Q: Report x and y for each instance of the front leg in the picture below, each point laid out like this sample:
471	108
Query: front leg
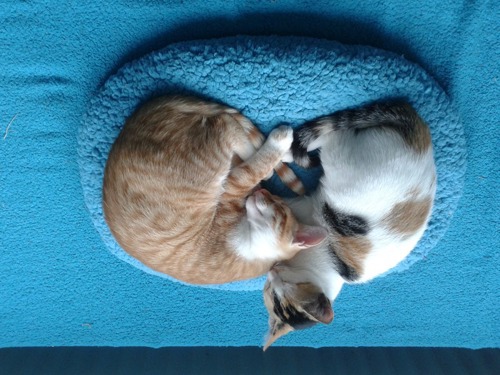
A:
249	174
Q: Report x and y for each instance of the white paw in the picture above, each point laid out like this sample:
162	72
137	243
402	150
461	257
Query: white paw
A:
269	175
287	157
282	138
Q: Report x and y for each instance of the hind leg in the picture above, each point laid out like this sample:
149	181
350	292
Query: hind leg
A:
248	175
246	138
254	140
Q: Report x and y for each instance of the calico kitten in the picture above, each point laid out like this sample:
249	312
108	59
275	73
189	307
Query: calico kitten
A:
180	193
375	198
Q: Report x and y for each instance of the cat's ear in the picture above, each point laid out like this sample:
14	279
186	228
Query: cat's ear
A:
276	330
308	236
321	309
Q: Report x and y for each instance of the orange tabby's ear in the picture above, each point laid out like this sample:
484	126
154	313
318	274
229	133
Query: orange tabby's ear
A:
308	236
276	330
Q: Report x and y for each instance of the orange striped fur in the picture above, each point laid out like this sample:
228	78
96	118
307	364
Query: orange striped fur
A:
179	182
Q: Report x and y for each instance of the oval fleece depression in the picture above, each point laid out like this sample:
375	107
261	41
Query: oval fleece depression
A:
274	80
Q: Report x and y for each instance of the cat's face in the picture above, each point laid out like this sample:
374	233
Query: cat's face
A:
270	215
293	306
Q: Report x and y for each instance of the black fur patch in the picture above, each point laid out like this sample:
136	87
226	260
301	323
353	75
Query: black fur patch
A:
299	152
397	115
343	224
314	160
308	133
344	270
290	316
301	139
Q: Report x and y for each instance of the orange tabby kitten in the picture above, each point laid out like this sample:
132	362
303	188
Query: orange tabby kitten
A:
180	193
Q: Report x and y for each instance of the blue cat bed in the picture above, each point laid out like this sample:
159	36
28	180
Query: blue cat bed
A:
274	80
60	284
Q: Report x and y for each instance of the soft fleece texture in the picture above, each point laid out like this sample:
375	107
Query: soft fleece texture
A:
61	286
274	80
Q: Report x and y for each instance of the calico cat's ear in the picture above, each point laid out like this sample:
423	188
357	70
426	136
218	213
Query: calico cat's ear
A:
308	236
276	330
320	309
318	305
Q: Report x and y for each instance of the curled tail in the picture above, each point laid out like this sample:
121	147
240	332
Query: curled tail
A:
289	178
400	116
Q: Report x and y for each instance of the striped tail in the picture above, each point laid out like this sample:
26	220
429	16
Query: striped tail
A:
399	116
289	178
284	172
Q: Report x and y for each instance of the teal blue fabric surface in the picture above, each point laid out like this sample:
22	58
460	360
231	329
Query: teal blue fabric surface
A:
274	80
61	286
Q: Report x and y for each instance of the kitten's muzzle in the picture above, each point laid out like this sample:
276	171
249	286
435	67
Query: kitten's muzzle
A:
261	199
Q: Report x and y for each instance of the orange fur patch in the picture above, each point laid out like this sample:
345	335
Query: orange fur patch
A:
408	217
172	194
290	179
420	139
353	251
